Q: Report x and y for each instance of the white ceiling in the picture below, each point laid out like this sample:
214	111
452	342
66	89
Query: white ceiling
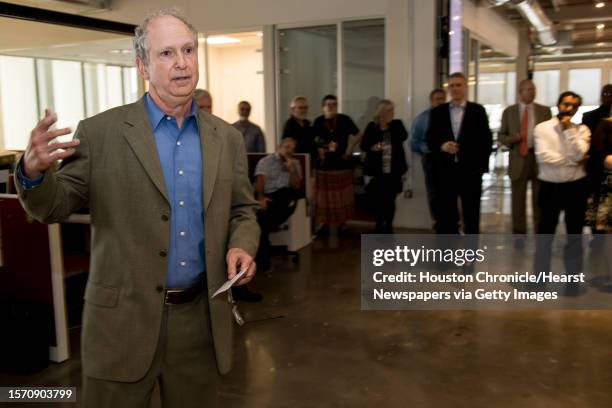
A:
32	39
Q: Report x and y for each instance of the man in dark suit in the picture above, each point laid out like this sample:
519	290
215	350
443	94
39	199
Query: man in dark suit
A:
516	132
460	141
592	118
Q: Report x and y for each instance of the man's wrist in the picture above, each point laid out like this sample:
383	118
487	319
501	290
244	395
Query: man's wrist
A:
28	182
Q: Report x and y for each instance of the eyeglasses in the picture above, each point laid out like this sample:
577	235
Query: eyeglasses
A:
606	94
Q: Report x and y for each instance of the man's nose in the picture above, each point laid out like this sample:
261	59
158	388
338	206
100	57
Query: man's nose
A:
180	60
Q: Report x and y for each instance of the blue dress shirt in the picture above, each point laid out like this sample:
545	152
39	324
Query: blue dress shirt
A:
181	159
418	143
180	155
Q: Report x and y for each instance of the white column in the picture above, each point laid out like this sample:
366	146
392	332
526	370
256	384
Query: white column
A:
410	76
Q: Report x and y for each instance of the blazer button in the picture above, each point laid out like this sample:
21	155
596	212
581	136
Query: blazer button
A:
165	217
163	253
159	288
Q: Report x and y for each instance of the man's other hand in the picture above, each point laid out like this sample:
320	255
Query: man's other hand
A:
238	260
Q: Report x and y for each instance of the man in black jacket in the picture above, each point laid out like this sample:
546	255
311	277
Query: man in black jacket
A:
592	118
460	141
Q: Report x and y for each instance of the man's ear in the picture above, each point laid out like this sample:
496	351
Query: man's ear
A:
143	69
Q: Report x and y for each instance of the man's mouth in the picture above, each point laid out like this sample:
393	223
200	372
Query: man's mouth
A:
181	78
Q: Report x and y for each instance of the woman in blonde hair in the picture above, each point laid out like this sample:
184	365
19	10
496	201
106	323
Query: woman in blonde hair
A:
385	162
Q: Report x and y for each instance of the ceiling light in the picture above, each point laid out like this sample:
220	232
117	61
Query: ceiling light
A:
600	26
451	32
259	34
600	4
456	18
219	40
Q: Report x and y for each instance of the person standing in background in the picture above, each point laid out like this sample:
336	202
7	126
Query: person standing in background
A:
593	119
418	144
600	170
518	122
298	127
335	135
460	142
560	149
253	136
203	99
385	161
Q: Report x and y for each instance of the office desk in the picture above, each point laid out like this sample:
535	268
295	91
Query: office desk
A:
40	277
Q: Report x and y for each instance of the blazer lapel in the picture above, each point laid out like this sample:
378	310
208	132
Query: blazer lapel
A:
139	135
211	150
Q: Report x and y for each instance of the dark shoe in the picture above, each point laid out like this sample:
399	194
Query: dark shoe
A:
242	293
323	231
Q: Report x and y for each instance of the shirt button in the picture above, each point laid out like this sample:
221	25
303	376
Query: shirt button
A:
163	253
181	203
178	143
159	288
165	217
182	233
168	118
183	263
181	172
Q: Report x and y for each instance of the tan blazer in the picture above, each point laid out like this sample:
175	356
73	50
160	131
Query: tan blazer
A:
116	172
510	125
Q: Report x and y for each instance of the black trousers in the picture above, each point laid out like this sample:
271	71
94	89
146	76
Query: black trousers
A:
279	210
571	198
430	184
452	186
383	190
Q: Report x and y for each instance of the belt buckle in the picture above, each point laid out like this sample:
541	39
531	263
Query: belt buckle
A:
168	292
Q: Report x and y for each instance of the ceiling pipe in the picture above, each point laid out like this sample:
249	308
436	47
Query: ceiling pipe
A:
533	13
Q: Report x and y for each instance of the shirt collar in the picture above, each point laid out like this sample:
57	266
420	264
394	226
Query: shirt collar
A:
156	114
453	104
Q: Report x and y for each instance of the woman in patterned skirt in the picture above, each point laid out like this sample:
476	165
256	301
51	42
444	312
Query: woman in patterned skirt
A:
335	135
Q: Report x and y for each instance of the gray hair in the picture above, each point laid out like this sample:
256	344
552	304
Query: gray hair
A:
141	47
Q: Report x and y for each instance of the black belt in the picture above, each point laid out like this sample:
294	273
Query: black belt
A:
185	295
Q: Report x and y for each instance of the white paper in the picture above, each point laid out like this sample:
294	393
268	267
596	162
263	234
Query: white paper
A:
228	284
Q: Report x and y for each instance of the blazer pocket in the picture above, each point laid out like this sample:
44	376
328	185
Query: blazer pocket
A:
101	295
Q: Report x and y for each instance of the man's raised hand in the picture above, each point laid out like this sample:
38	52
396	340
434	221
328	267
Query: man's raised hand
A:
41	152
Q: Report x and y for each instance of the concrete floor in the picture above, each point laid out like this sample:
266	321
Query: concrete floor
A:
308	344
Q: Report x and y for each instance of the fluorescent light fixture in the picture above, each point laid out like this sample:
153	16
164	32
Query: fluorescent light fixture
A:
600	26
259	34
219	40
600	4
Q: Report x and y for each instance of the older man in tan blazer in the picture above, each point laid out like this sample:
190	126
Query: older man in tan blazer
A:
516	132
148	318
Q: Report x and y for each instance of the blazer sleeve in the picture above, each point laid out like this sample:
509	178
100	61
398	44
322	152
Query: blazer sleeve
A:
369	138
62	192
485	130
504	131
400	130
243	228
434	130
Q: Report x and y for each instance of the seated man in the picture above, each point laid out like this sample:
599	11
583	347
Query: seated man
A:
277	185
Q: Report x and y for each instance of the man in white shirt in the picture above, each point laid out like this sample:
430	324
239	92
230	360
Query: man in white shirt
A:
516	132
560	148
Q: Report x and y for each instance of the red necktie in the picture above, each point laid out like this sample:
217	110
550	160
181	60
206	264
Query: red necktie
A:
524	147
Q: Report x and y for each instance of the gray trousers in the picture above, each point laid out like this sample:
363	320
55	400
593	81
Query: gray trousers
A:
184	366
